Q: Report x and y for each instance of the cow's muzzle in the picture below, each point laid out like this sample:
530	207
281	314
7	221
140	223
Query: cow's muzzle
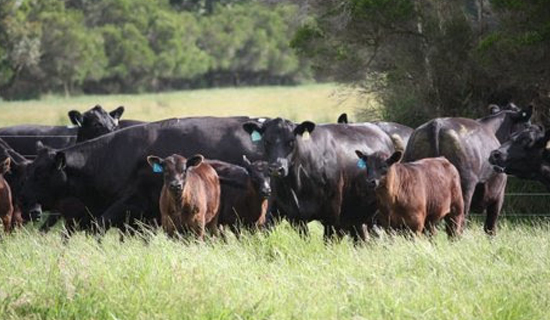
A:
497	160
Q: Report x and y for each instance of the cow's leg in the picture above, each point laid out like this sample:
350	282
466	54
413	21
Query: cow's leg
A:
468	185
454	221
415	223
430	229
497	187
119	213
17	217
51	220
300	226
212	227
6	221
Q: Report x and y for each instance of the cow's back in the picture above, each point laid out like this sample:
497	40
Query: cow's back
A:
23	138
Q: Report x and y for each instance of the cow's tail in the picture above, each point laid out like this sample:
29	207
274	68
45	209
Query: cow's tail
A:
398	143
436	129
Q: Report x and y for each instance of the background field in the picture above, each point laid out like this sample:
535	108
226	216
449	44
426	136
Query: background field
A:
318	102
265	276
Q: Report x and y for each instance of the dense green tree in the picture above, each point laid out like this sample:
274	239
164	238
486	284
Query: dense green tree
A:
430	57
136	45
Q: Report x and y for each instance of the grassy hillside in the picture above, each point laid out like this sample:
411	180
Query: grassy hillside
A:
319	102
277	276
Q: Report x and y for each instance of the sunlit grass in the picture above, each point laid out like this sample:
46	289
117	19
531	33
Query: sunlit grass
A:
318	102
277	276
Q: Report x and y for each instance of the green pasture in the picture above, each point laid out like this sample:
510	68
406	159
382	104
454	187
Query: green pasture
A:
318	102
276	275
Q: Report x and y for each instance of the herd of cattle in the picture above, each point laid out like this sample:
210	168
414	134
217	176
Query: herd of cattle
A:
206	173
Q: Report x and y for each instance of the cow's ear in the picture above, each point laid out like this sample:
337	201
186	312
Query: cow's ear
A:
493	108
395	157
359	154
343	118
246	162
156	163
60	160
306	126
252	126
5	165
76	118
195	160
117	113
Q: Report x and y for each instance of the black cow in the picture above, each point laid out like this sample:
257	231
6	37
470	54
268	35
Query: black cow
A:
526	155
90	124
392	129
110	174
314	171
466	143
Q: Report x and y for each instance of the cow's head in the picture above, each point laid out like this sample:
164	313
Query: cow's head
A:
523	154
95	122
508	120
46	179
376	166
281	138
175	169
259	174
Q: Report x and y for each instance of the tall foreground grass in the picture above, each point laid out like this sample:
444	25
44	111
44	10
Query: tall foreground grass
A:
277	276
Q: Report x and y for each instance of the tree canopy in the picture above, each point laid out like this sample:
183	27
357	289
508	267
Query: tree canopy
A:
111	46
432	57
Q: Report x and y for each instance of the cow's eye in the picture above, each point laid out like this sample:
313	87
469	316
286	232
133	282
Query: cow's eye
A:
290	143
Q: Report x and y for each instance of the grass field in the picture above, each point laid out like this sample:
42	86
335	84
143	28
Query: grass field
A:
318	102
265	276
278	276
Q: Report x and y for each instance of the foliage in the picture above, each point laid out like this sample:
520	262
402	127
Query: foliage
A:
432	58
115	46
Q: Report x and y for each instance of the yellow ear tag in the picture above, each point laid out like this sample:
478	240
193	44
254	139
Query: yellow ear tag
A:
305	136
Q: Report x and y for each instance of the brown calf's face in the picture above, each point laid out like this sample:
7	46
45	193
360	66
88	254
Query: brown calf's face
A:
376	165
174	169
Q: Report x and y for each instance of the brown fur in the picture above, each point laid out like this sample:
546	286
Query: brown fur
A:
198	207
242	207
419	194
10	217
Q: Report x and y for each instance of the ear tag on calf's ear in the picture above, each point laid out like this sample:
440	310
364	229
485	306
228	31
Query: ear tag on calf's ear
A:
157	168
256	136
305	135
361	164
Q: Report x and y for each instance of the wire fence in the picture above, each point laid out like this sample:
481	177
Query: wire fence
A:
516	202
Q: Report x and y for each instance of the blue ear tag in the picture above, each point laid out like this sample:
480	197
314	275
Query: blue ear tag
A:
157	168
361	164
256	136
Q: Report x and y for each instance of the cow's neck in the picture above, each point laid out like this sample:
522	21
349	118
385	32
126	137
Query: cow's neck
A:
500	124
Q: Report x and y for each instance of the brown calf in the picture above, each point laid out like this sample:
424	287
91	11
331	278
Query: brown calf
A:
415	195
10	217
190	197
245	194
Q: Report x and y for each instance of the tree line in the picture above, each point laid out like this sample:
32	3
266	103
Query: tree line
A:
427	58
126	46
